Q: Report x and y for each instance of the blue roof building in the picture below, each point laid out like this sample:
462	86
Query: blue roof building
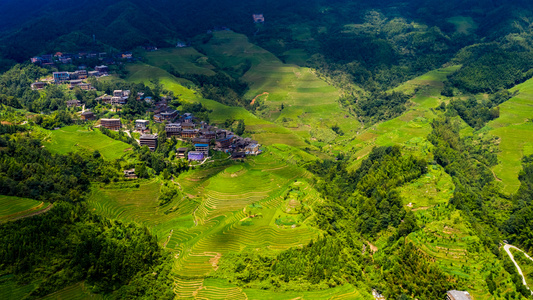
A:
204	148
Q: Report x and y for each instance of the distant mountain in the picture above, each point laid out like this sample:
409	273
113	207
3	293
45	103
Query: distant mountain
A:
30	27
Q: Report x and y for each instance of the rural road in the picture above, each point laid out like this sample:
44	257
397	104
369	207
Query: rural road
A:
129	134
506	247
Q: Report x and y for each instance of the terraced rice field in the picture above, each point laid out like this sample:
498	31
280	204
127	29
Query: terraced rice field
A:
223	225
10	290
339	293
266	132
184	60
435	187
74	292
14	207
142	72
515	128
140	205
210	218
214	289
412	125
76	138
305	97
457	250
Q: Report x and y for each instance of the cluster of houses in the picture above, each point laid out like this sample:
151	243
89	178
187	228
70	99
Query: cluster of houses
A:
69	58
75	79
61	77
203	136
66	58
119	97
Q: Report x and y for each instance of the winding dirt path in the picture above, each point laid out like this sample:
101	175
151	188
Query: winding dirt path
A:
506	247
253	101
495	177
423	208
168	238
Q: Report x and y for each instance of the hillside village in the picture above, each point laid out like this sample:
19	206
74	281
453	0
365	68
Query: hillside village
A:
184	126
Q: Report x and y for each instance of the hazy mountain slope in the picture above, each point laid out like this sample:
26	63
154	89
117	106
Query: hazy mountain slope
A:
28	26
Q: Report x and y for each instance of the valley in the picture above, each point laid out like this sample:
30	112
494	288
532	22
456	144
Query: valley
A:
376	158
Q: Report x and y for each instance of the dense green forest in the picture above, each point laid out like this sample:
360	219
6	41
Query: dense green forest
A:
68	244
28	170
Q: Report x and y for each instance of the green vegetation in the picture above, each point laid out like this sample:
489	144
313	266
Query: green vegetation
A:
396	152
288	95
514	128
477	114
91	253
378	107
48	177
489	68
11	205
15	207
526	265
184	60
81	138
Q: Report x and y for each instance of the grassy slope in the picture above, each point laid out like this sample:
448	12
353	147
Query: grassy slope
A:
183	60
411	128
515	129
73	138
141	72
264	131
309	102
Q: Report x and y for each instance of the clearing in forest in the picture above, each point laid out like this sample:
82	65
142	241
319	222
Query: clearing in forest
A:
75	138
